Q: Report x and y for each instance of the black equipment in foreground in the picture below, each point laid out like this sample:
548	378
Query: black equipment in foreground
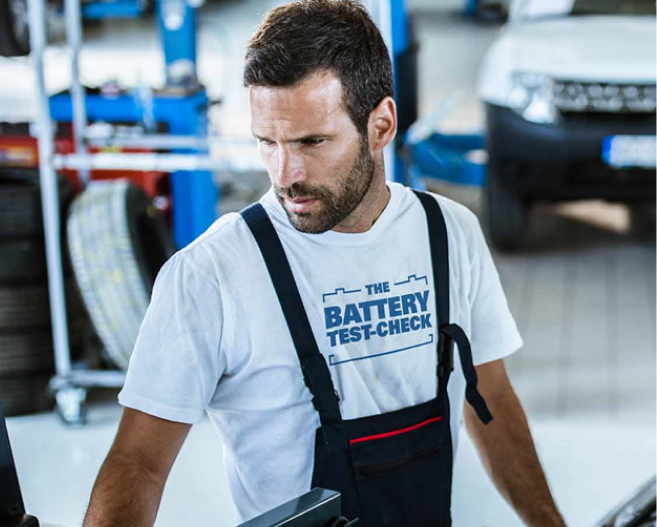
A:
12	509
317	508
636	511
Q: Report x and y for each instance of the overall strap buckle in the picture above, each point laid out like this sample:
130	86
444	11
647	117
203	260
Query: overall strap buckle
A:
472	395
325	400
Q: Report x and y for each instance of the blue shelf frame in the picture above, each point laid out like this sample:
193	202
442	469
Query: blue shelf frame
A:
113	9
194	193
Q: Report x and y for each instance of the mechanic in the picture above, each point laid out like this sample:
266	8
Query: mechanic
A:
317	327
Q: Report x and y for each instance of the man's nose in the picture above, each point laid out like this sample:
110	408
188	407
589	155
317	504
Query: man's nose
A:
290	167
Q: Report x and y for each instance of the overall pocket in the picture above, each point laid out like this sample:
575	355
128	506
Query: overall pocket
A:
404	477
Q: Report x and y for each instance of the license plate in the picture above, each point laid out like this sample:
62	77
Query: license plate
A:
625	151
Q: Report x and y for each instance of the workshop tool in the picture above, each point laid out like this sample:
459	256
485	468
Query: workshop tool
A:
317	508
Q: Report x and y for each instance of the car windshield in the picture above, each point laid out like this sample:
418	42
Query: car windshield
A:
536	9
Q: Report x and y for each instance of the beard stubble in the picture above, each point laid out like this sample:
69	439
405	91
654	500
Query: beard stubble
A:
337	205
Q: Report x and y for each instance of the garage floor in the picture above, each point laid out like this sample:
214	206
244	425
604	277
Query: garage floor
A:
583	295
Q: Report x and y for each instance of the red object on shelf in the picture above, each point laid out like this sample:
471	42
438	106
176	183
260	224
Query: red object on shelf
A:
21	151
18	151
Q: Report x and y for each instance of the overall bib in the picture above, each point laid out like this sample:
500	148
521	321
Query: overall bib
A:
392	469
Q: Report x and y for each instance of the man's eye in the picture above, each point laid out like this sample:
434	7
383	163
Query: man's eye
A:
313	142
265	142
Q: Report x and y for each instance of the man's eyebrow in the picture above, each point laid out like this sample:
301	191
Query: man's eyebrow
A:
259	138
309	137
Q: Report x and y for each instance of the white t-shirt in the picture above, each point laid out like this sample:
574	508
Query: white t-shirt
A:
215	340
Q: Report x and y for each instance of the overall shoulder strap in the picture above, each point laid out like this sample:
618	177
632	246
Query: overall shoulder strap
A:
439	254
449	333
313	365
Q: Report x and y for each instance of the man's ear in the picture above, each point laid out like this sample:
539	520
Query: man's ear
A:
382	125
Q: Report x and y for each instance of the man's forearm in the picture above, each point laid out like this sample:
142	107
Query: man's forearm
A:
125	494
507	451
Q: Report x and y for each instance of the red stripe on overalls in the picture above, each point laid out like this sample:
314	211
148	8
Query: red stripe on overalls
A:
395	432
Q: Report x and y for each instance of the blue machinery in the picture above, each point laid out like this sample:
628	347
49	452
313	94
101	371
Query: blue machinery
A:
449	158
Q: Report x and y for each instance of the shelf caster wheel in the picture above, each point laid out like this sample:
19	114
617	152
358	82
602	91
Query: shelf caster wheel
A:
70	406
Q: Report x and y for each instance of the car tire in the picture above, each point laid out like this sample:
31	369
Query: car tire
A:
642	219
24	259
150	235
506	213
27	307
25	395
20	202
26	352
117	241
14	35
32	351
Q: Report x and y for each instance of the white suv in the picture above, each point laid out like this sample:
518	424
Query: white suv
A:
569	90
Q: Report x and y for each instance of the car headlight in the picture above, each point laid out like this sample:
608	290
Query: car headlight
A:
531	96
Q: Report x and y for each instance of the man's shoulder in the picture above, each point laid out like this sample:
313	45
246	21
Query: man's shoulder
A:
218	246
227	227
464	232
459	219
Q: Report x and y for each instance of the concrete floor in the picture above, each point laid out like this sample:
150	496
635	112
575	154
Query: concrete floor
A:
583	295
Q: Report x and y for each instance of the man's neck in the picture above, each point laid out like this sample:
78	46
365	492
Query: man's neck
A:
369	209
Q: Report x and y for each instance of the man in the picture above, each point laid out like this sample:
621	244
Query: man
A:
306	327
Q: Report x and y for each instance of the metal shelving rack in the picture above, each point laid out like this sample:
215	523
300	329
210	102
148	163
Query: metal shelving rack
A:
71	382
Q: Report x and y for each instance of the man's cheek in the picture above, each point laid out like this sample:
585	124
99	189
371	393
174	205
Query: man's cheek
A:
268	161
322	170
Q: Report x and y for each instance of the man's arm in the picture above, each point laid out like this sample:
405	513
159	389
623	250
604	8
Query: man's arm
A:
507	450
130	483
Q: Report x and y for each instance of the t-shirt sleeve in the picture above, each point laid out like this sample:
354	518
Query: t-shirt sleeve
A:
494	334
175	365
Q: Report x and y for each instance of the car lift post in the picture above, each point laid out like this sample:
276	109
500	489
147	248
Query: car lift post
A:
399	47
194	193
392	18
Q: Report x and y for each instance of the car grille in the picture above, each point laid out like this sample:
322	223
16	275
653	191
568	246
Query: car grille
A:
604	97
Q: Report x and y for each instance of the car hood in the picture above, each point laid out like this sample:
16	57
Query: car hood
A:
592	48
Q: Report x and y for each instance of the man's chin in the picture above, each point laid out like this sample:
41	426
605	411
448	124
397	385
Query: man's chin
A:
309	223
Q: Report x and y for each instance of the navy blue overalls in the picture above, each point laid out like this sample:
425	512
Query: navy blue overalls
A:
393	469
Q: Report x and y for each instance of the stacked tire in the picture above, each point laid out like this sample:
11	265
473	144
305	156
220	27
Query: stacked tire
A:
26	346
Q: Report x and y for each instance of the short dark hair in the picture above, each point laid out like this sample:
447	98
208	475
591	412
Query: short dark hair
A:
303	37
